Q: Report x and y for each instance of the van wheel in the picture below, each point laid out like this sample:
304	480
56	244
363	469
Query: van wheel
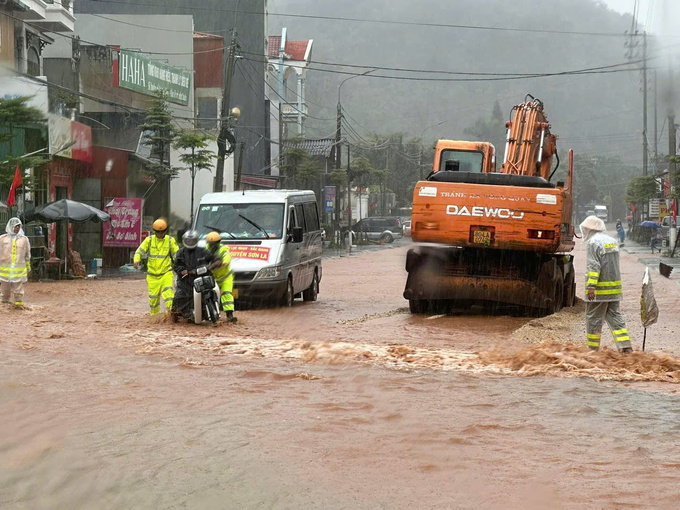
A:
313	291
387	238
289	295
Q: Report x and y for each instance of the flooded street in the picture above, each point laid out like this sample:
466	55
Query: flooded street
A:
349	402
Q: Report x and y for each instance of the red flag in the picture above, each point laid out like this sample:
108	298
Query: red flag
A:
16	182
674	209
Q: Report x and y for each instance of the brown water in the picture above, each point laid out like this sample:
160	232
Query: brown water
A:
346	403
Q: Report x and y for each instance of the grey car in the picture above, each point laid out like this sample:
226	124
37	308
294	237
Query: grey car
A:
385	229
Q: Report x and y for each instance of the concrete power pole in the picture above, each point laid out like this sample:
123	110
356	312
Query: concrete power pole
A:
337	137
224	135
349	200
645	147
656	121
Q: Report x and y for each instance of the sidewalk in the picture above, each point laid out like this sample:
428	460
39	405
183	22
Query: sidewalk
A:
645	256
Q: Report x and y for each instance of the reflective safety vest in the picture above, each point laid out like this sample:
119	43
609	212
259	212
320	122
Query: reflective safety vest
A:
160	254
15	258
603	273
223	271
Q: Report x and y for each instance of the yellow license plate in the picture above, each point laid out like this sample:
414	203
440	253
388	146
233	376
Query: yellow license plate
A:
481	237
234	293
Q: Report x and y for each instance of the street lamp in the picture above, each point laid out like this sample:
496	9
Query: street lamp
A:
338	156
339	116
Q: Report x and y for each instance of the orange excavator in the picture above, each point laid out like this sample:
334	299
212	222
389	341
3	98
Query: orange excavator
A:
488	237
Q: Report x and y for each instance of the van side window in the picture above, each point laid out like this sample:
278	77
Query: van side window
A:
300	215
311	216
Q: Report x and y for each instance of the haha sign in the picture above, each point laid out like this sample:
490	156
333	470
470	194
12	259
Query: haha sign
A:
138	72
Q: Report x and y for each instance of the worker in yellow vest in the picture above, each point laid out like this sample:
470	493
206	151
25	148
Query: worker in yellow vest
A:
159	252
15	262
223	274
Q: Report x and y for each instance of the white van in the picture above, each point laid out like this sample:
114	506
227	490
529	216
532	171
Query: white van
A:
274	237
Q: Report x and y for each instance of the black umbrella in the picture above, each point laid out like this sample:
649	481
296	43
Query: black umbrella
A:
65	209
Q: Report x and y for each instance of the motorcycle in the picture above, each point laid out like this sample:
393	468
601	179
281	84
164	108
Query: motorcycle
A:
206	303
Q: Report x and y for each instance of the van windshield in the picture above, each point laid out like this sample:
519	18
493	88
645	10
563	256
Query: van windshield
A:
241	221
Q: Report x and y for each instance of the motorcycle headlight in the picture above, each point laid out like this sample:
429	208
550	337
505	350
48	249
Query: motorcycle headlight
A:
269	272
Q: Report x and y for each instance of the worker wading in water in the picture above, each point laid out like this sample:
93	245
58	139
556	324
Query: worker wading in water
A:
15	262
159	250
223	274
603	286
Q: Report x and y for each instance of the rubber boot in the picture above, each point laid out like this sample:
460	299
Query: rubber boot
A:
626	350
230	317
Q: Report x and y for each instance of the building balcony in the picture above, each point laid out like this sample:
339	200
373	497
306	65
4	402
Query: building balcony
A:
291	110
58	16
29	10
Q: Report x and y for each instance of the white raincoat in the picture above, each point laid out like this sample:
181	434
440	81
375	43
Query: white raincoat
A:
15	254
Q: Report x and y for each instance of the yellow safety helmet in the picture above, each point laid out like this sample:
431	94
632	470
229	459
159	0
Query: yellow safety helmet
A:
160	225
213	237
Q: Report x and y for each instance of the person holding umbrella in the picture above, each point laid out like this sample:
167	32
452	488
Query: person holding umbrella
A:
603	286
15	262
656	235
159	250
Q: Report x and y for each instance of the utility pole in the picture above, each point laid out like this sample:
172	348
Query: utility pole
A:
672	142
644	105
224	134
349	200
656	122
337	135
241	147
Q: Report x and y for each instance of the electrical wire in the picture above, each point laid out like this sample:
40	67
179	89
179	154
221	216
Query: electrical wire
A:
284	99
376	21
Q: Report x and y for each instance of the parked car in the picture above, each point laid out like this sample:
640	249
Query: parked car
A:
407	228
378	229
666	229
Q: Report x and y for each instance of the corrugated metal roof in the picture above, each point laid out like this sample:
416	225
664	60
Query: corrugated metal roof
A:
315	147
203	35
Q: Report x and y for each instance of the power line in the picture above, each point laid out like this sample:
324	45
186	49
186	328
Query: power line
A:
283	99
379	21
437	71
612	68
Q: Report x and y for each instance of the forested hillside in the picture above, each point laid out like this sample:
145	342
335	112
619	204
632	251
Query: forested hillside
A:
595	113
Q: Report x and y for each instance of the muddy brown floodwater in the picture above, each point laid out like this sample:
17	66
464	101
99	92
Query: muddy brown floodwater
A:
347	403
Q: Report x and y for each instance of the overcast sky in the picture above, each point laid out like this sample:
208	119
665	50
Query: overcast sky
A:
662	16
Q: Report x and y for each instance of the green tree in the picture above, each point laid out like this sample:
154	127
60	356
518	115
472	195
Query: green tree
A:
14	113
380	174
641	189
195	155
159	135
299	168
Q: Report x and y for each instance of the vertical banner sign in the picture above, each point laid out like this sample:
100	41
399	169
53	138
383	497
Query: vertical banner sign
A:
138	72
125	228
329	199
